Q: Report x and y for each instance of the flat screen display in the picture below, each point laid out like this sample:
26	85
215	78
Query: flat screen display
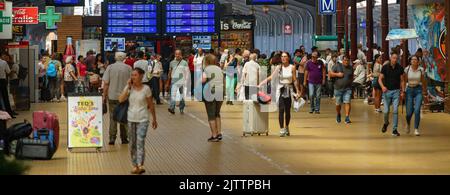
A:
203	42
62	3
265	2
190	17
112	43
132	17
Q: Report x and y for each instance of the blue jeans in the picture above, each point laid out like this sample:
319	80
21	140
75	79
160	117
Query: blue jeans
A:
391	97
230	80
343	96
138	132
413	104
173	96
315	92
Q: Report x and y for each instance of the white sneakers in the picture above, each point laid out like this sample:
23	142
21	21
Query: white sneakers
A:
416	131
63	99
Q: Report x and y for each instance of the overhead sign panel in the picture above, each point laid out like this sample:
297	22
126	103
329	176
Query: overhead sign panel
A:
265	2
132	17
190	17
64	3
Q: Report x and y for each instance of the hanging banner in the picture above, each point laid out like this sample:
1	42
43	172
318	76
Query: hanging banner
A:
85	122
6	21
26	15
401	34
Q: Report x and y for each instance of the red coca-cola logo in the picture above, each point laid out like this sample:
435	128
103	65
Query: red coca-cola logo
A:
20	12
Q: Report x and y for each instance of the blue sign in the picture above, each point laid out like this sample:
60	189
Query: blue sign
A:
190	17
327	7
132	17
63	3
265	2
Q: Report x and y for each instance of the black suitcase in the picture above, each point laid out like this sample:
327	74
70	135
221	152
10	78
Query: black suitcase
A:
23	99
34	149
19	130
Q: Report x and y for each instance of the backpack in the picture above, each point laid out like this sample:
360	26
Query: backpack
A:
51	69
23	72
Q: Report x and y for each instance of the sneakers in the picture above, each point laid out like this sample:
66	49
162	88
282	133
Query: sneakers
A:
171	111
395	133
63	99
338	118
347	120
310	112
378	110
317	112
219	136
213	139
54	99
408	129
284	132
417	132
384	129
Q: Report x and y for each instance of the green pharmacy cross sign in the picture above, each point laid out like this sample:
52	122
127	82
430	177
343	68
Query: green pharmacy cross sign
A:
4	21
50	17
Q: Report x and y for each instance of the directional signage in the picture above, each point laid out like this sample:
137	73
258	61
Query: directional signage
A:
6	21
50	17
327	7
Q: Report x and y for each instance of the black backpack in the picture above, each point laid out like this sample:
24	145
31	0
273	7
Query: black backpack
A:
23	72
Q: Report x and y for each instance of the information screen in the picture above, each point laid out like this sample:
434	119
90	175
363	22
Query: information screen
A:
190	17
203	42
265	2
65	2
112	43
132	17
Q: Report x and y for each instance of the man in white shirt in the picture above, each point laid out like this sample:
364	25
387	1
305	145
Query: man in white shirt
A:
155	69
250	77
4	72
196	75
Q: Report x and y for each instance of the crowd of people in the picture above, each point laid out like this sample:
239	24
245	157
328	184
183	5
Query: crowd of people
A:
144	79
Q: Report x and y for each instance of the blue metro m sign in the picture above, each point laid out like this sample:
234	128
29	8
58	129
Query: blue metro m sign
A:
327	7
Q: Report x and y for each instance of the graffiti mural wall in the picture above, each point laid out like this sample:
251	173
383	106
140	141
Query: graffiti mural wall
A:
429	22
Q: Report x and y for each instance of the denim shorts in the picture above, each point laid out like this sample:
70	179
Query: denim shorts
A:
343	96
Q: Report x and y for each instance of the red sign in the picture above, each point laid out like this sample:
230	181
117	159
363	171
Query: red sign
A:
288	29
21	44
25	15
2	6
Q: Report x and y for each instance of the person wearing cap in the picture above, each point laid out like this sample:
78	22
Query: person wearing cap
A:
392	84
115	79
359	75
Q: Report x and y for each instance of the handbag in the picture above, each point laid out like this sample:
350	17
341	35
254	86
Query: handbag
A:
120	112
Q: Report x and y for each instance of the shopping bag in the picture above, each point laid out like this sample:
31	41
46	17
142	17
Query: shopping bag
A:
298	104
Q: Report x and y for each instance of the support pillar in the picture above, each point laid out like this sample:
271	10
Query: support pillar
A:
354	30
340	24
384	29
369	29
404	25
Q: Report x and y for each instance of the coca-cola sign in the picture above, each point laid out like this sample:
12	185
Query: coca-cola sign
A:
25	15
236	24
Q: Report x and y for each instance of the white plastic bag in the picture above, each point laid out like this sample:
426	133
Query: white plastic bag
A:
299	103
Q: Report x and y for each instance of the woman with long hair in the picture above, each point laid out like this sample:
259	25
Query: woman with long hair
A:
415	89
287	80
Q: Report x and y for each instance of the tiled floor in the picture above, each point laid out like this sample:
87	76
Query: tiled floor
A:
317	146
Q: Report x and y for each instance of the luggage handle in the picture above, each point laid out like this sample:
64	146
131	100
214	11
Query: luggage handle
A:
42	132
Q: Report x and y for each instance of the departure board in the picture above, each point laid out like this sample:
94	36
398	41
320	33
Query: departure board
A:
265	2
65	3
132	17
190	17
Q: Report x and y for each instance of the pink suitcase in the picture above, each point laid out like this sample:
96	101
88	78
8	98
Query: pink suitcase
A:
47	120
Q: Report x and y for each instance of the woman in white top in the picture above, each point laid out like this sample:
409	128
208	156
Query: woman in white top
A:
415	86
286	81
376	71
140	105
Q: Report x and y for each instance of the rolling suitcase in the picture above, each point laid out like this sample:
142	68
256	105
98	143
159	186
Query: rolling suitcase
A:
47	120
255	121
34	149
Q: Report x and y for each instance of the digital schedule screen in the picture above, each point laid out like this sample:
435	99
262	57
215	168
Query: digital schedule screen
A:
132	17
65	2
114	43
190	17
265	2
